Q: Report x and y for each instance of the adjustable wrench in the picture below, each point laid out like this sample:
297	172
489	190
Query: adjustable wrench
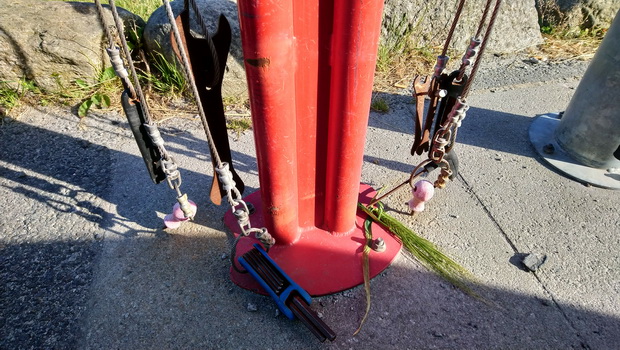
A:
421	85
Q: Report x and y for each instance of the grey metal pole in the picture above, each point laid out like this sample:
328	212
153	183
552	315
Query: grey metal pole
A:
590	127
584	143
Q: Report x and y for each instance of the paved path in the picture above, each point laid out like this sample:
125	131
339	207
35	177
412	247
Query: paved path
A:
85	264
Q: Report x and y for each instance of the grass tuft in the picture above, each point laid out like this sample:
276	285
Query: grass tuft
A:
167	79
379	105
424	251
239	125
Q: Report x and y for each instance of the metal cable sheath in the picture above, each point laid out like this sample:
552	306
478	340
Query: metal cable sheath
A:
132	68
483	46
457	15
190	79
106	29
205	32
483	20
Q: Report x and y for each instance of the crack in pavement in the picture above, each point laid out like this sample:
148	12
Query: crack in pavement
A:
470	189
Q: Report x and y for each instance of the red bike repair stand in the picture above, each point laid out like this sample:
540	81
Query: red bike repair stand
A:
310	68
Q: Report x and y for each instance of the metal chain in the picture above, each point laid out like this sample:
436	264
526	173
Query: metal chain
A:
443	140
240	208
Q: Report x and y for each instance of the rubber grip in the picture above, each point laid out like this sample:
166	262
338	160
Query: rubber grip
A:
150	154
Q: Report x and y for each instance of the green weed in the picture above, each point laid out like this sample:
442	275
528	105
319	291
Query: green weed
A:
12	93
239	125
142	8
9	96
97	93
167	77
379	105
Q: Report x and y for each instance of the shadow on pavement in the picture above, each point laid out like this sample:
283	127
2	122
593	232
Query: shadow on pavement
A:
487	129
173	291
77	168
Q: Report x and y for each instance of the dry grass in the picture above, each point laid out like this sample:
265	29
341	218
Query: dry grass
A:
398	71
561	49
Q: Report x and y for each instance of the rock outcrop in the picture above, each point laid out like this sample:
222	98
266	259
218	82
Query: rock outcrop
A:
426	23
157	38
53	43
578	14
418	21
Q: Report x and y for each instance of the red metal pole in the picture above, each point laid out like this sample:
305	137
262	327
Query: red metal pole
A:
310	67
313	33
269	55
357	25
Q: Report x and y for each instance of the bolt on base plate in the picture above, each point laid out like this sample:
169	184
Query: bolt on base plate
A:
542	136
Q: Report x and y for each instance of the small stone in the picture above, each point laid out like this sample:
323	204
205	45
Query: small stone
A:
277	313
438	334
534	60
252	307
224	256
534	261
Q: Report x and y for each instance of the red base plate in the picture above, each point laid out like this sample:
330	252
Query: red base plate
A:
319	262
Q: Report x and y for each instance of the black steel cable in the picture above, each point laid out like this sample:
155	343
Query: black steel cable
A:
483	46
483	19
457	15
205	32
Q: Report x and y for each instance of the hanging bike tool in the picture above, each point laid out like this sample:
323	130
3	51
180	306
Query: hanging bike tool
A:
239	208
448	105
435	94
207	57
159	163
454	84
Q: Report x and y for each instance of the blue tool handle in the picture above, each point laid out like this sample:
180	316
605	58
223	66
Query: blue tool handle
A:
281	299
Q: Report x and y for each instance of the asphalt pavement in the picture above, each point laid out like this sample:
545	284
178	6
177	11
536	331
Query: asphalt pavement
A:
85	263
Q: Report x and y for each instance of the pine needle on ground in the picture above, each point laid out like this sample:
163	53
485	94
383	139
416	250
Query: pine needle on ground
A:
425	251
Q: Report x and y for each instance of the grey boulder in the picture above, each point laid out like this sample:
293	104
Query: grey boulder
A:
53	43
